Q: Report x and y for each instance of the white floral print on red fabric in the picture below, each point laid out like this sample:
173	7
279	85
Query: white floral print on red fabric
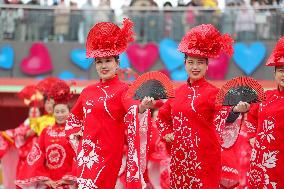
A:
184	156
55	156
34	154
263	159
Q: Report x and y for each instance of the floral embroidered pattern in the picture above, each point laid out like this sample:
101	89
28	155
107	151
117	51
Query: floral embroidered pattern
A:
34	154
263	159
73	122
88	155
88	107
56	133
55	156
104	99
184	157
133	162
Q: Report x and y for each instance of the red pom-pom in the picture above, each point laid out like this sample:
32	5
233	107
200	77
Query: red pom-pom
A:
106	39
46	84
60	92
205	41
27	92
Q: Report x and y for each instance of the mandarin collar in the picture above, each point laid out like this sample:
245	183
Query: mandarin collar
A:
111	81
196	83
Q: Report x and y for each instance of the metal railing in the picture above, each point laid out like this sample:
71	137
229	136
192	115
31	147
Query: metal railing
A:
33	23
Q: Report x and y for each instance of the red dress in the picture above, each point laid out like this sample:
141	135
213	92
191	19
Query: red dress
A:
196	151
267	158
49	159
98	116
17	139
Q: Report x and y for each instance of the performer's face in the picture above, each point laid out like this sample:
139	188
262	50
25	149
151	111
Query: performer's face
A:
279	76
48	105
106	67
61	112
196	67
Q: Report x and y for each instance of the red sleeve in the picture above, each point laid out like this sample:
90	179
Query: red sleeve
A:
74	126
252	120
74	123
164	119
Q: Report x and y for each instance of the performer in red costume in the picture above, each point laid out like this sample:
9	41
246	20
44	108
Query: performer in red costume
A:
50	161
188	119
96	126
267	158
16	143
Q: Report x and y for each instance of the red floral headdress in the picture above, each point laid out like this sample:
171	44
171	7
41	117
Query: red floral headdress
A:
46	84
60	92
205	41
106	39
30	95
277	56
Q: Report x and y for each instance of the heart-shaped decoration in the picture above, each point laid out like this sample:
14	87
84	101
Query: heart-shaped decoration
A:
143	58
248	58
218	67
179	74
124	62
38	62
78	57
66	75
170	55
6	57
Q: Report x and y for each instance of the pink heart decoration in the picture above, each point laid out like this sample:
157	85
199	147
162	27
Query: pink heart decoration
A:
38	62
143	58
218	67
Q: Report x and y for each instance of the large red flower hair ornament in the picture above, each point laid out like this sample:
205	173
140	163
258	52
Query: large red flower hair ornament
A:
205	41
106	39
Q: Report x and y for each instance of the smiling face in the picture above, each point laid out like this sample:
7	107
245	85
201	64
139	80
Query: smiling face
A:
196	67
279	76
107	67
60	113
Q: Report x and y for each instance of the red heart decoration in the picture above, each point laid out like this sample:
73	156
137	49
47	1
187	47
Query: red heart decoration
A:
218	67
38	62
143	58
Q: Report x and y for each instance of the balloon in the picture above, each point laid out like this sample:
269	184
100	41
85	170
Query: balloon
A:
143	58
248	58
6	57
170	55
38	61
67	75
124	62
179	75
78	57
218	67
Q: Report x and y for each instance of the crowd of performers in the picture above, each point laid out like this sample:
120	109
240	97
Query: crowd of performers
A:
107	140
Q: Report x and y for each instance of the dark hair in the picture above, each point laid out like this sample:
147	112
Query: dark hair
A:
68	106
185	57
116	58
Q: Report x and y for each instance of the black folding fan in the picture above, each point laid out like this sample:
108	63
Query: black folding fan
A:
242	88
153	84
